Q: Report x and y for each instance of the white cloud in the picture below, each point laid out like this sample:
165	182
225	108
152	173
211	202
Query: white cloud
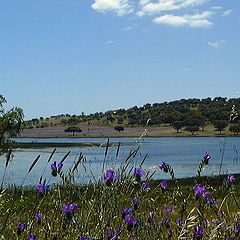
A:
216	7
218	44
199	20
148	7
127	29
119	7
227	13
109	42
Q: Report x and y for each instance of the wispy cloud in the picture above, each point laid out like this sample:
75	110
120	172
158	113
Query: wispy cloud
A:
118	7
199	20
216	7
185	69
127	29
149	7
109	42
218	44
227	13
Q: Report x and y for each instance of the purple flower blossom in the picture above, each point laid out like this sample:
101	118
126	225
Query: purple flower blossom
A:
166	222
168	210
38	217
42	188
163	166
20	228
206	158
207	196
164	185
198	232
231	179
126	211
109	176
31	237
130	221
135	201
170	232
199	190
69	209
179	222
56	168
138	173
218	222
237	229
84	238
145	186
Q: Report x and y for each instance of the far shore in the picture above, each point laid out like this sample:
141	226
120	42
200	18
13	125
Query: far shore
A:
109	132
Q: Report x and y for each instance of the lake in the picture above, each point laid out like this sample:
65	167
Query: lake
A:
182	153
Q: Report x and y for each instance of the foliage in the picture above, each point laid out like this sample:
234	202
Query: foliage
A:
235	129
220	125
119	128
73	130
177	125
124	204
193	112
192	129
11	123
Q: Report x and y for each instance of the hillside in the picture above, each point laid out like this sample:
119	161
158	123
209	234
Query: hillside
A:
185	115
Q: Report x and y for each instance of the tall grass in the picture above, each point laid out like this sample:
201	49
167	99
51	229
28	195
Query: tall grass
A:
125	203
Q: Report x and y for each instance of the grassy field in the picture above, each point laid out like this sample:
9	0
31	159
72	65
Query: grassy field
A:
101	131
123	204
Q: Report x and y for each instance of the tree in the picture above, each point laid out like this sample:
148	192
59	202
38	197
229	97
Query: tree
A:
220	125
192	129
119	128
73	129
235	129
177	125
73	121
11	123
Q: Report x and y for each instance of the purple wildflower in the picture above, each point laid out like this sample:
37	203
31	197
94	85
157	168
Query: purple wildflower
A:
138	173
206	158
218	222
126	211
198	232
38	217
179	222
31	237
20	228
199	190
135	203
84	238
231	179
130	221
145	186
56	168
237	229
208	198
168	210
69	209
166	222
163	166
164	185
109	176
170	232
42	188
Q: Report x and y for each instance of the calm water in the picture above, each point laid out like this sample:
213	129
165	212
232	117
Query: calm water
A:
183	154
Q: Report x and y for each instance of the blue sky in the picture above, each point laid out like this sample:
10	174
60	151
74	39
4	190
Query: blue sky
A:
78	56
